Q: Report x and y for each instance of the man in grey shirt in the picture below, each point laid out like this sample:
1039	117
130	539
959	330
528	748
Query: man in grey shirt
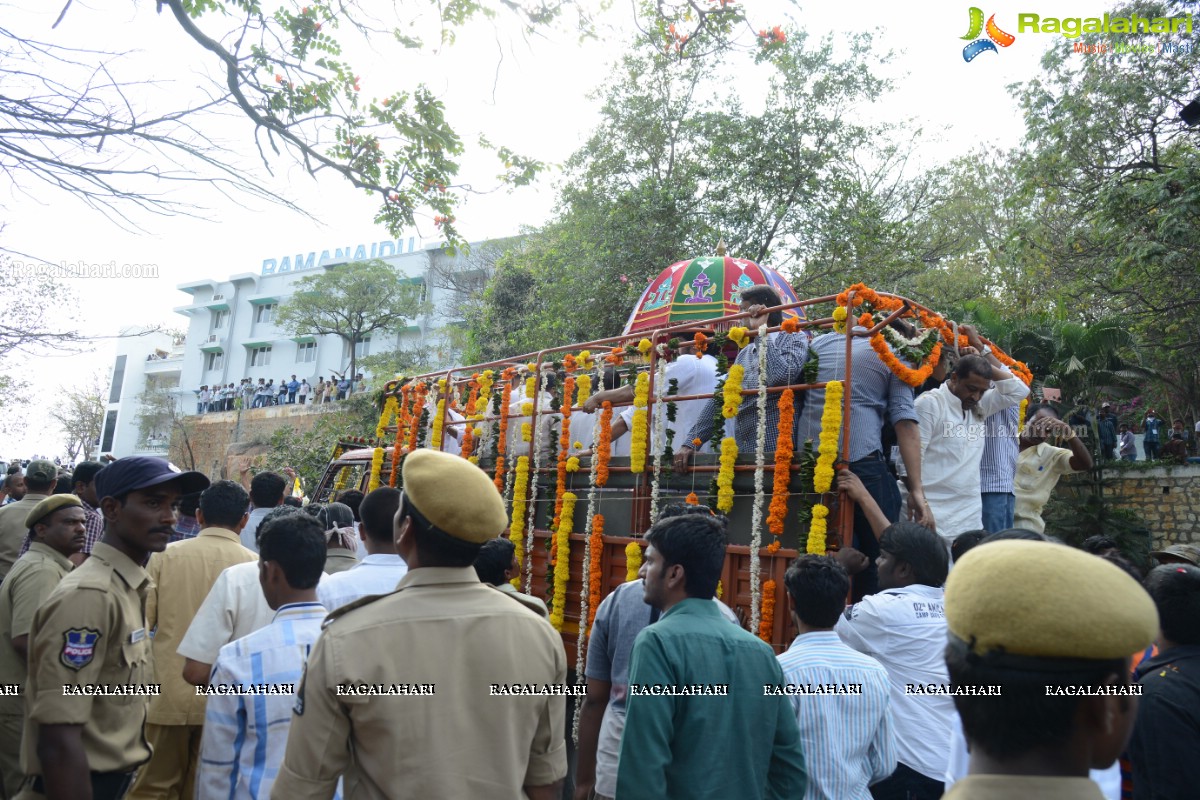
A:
267	490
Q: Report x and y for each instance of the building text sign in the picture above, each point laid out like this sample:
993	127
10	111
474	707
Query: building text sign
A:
361	252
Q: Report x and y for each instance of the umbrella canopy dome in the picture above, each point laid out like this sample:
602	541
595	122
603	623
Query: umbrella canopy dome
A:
704	288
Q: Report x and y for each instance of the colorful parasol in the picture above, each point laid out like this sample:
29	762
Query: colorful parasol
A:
703	288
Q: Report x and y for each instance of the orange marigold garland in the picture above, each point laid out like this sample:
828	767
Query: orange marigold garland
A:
596	550
692	499
403	421
767	620
604	444
701	344
783	472
502	429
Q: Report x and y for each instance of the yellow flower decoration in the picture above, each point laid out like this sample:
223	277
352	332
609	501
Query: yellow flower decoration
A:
438	418
732	391
530	387
641	419
526	409
573	464
827	449
644	347
739	336
583	388
516	529
633	561
526	431
839	319
391	409
817	530
376	469
562	561
1021	414
729	452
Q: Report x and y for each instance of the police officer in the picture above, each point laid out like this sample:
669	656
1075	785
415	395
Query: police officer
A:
56	528
1040	639
397	694
90	666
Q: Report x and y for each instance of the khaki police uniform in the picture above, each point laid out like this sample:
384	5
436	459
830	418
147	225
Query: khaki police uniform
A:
1006	787
397	693
13	529
27	586
181	577
91	633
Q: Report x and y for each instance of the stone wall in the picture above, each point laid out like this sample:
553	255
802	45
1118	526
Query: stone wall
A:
1167	498
224	443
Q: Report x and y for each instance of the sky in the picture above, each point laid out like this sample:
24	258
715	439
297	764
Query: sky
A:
535	95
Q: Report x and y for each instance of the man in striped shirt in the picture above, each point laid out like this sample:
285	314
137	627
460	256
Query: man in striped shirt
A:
840	696
997	469
254	680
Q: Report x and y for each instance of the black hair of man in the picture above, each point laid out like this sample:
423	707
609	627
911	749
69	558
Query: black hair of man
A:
612	379
975	365
920	548
435	547
1120	561
818	587
86	472
189	503
353	499
297	544
266	489
12	479
679	509
65	485
1098	544
224	504
378	512
965	542
313	509
34	486
294	502
1036	407
765	296
335	515
1024	718
1175	589
13	468
695	542
273	514
494	558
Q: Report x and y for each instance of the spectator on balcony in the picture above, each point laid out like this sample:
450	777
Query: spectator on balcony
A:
205	397
281	392
1152	432
293	386
302	394
1128	445
343	387
247	393
260	393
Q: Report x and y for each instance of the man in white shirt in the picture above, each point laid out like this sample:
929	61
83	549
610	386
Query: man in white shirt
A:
245	735
903	627
546	417
953	425
235	607
267	490
382	568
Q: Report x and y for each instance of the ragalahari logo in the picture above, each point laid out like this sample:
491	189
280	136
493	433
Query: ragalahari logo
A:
994	34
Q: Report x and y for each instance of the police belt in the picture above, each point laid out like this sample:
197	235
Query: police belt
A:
105	785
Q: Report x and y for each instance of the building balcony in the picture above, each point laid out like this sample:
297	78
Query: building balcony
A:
157	364
214	342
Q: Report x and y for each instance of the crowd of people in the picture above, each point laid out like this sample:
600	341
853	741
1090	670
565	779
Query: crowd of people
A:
289	391
170	635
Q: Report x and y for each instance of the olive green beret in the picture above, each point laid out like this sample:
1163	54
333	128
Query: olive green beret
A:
48	506
454	494
1046	600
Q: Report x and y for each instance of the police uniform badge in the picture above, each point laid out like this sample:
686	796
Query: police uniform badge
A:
79	647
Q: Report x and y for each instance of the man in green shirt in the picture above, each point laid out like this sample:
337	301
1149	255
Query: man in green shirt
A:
700	722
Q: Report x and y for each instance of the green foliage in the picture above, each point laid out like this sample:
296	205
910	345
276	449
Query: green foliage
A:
1089	508
307	452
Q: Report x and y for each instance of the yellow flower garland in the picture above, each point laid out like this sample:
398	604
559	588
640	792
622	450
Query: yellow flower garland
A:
573	464
516	528
343	479
562	561
729	452
644	347
732	391
376	469
839	319
526	431
633	561
435	440
530	386
739	336
1021	414
390	409
583	389
817	530
638	432
831	425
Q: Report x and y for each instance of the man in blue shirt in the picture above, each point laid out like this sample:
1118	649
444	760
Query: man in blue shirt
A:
293	386
700	723
1152	429
252	689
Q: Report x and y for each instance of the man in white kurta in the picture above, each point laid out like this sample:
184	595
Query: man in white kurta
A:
953	426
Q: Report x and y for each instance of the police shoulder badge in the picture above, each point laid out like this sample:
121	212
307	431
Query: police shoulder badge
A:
79	647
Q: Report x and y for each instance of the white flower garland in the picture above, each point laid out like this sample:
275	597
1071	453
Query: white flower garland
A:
537	471
585	592
756	517
909	348
658	439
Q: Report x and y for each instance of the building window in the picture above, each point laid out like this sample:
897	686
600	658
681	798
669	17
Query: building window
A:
219	319
265	313
306	352
118	378
214	361
260	356
362	346
110	430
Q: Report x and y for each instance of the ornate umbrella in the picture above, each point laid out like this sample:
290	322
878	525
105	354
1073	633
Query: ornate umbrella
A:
703	288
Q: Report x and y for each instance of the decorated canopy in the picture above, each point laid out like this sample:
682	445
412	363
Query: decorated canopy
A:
703	288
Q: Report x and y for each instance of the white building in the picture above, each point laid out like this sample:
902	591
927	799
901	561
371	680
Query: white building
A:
231	334
145	361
